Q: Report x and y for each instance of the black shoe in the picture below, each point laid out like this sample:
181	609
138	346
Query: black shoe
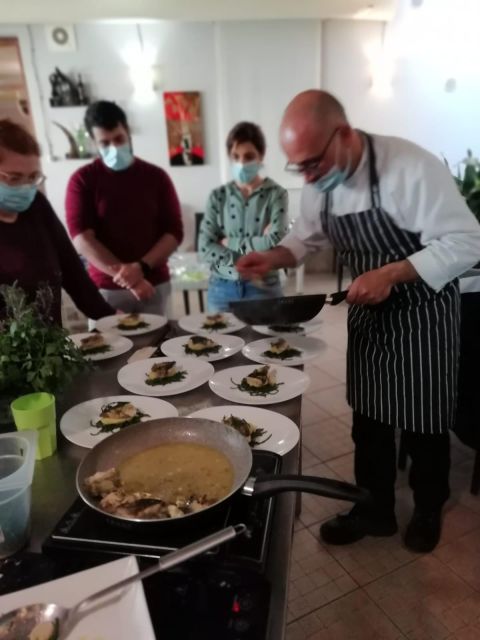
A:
423	531
355	525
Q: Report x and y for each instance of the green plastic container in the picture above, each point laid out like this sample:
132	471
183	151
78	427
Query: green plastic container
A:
36	411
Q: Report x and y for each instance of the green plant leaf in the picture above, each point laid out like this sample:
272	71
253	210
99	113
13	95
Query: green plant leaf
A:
36	354
469	179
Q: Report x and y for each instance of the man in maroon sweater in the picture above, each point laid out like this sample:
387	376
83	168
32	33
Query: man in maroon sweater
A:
124	217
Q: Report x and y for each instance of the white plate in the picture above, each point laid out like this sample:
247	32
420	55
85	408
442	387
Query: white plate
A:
118	345
194	323
132	376
293	383
110	323
307	327
76	422
284	432
175	348
310	348
124	615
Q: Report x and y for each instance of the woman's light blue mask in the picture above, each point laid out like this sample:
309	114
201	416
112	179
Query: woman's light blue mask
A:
245	173
16	199
117	158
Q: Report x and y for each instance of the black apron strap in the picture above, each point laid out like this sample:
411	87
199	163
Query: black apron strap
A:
372	168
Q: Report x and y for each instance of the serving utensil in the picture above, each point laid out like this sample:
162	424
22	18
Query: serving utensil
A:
53	621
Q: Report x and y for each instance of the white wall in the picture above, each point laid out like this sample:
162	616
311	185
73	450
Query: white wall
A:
261	66
67	11
251	70
418	52
243	70
185	55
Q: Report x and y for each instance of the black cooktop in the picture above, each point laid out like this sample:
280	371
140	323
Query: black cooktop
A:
224	595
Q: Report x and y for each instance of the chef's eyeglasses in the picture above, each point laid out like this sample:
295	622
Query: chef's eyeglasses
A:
17	180
311	164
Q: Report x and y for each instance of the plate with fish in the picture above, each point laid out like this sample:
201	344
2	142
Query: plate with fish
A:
289	351
101	346
261	385
87	423
207	323
212	347
289	330
131	324
164	376
263	429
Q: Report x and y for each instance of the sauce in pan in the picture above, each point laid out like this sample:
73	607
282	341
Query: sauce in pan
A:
178	470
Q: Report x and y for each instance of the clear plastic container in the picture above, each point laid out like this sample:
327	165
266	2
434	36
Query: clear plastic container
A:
17	462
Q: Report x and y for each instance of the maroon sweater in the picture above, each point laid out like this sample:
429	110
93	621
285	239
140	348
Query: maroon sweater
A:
36	250
128	211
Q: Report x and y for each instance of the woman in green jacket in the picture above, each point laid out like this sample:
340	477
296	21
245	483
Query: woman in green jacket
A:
250	213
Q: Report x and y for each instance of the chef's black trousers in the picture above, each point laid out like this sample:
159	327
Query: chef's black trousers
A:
376	465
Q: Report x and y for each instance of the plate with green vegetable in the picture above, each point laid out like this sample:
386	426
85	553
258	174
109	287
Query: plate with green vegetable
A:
259	385
87	423
291	351
164	376
101	346
288	330
262	428
215	346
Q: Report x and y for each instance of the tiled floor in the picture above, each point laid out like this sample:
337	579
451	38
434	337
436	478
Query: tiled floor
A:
375	589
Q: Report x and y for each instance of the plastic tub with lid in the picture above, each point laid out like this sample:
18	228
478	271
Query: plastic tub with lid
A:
17	462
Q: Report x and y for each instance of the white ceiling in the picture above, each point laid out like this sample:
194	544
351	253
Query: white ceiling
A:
67	11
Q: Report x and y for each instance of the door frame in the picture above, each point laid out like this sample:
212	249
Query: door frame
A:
26	47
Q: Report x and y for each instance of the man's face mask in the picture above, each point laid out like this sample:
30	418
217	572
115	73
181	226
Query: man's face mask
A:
117	158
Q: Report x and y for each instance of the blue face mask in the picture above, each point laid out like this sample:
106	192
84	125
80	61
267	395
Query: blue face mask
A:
117	158
16	199
332	179
245	173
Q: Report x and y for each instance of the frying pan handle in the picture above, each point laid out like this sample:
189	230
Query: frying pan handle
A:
336	298
269	485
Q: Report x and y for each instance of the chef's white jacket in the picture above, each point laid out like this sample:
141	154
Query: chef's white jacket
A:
418	192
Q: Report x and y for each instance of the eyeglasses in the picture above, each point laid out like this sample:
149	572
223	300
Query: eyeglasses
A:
17	180
311	164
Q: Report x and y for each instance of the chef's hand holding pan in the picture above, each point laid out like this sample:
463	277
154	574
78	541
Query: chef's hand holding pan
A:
374	287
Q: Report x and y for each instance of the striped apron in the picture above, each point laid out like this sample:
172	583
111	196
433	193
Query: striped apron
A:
402	354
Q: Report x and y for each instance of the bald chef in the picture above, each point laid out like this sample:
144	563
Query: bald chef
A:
394	215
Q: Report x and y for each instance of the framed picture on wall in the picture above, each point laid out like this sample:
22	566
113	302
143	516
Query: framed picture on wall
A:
184	128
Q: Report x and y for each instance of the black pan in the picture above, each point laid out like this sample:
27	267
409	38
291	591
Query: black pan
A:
131	440
285	310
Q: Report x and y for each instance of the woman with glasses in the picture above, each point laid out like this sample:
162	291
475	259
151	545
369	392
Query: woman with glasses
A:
34	247
249	213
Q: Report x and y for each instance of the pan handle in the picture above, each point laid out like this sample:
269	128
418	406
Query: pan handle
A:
336	298
269	485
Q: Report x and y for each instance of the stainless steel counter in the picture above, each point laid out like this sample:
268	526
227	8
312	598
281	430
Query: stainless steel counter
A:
54	481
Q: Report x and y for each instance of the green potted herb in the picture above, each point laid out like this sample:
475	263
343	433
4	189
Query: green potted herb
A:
35	354
468	183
